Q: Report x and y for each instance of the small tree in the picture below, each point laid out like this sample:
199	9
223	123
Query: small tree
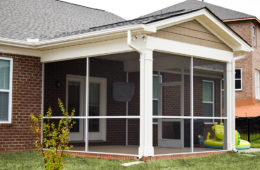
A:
55	137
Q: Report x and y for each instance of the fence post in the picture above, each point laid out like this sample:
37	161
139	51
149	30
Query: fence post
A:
248	129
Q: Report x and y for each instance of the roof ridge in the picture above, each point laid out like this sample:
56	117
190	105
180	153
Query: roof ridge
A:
141	18
224	8
81	5
197	3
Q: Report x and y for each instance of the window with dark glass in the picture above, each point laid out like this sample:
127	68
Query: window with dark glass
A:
238	79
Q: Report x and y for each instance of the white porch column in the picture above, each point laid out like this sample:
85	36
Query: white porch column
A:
146	103
229	107
87	104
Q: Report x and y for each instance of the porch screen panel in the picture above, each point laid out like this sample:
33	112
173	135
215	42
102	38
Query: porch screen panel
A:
94	106
74	102
209	136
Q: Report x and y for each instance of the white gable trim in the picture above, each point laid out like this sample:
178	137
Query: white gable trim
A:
210	22
186	49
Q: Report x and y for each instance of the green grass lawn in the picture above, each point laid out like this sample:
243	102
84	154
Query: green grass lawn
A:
32	161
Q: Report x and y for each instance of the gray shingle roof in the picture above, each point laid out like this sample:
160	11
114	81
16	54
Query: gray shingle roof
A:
221	12
48	19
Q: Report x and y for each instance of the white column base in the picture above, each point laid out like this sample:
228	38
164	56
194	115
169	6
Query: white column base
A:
146	151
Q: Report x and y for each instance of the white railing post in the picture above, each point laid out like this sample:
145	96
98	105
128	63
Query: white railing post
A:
146	103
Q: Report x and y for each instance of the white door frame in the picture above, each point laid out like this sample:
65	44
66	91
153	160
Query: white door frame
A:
96	136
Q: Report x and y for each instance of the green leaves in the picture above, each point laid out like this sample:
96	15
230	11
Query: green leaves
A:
55	136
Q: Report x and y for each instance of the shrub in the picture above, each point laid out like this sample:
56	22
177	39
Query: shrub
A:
55	137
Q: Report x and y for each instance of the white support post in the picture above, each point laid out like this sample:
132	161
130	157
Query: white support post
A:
229	125
191	106
87	104
146	100
126	123
42	105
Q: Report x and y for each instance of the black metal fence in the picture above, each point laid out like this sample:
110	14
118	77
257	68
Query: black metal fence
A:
249	128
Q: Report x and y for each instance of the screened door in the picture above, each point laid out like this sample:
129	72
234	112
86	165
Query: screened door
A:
171	131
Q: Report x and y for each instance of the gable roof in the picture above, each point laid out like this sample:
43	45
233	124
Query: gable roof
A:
67	26
220	12
48	19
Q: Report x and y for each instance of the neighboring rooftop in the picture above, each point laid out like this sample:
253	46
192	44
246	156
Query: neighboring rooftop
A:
48	19
221	12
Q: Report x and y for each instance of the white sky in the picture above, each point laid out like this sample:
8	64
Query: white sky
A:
130	9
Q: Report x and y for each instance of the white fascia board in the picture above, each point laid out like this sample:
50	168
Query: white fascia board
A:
20	51
186	49
15	43
237	43
86	50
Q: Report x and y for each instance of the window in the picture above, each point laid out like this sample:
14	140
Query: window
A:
254	36
208	98
257	84
5	89
238	79
157	79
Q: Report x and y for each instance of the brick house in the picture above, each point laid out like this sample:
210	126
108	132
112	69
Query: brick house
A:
148	87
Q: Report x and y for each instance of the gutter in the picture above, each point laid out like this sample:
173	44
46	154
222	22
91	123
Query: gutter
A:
242	19
239	57
73	38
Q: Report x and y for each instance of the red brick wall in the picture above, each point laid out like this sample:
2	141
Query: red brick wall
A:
27	76
249	64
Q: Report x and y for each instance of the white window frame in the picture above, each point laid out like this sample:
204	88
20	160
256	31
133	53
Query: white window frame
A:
157	99
257	84
254	36
241	71
10	90
210	102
